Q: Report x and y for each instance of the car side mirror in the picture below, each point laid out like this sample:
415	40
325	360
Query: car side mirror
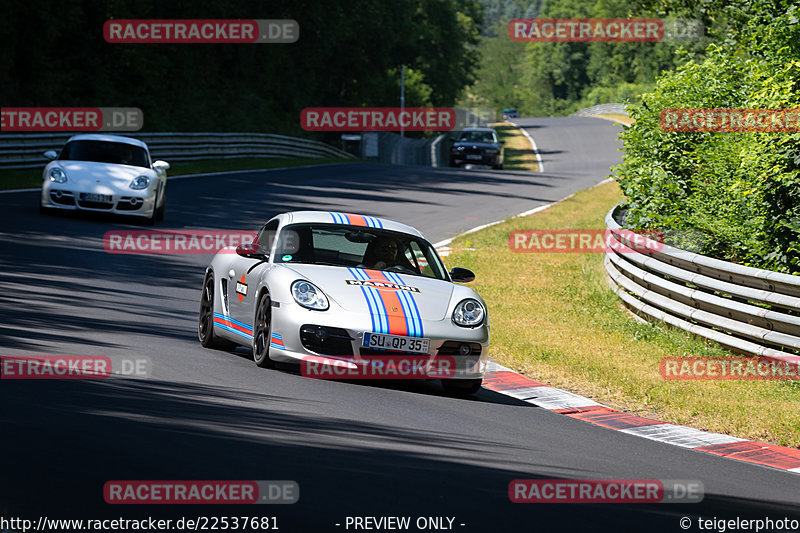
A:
50	154
251	250
501	142
461	275
161	165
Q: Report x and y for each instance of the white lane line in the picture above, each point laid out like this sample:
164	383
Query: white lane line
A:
473	230
680	435
445	242
551	398
491	366
539	164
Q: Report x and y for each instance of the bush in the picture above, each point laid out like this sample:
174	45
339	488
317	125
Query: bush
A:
741	191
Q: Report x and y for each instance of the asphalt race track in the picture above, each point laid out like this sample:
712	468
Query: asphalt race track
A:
356	449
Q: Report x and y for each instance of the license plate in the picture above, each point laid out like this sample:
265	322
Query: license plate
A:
395	342
470	156
91	197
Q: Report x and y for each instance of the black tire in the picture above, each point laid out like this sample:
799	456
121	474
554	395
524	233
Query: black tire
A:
45	210
205	321
261	332
461	387
151	220
498	167
163	207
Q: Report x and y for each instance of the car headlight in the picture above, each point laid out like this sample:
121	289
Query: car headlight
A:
469	313
141	182
57	175
309	295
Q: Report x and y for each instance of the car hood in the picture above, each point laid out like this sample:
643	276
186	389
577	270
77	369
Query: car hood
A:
343	285
479	145
91	174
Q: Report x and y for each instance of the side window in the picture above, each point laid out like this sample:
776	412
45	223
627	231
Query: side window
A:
266	236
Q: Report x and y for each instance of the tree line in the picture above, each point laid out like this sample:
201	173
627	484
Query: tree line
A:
349	54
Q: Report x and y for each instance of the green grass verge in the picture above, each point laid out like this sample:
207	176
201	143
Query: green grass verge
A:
32	177
555	319
518	153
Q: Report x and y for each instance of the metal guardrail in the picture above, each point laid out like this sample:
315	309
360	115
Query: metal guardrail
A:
432	151
747	309
25	150
397	150
602	109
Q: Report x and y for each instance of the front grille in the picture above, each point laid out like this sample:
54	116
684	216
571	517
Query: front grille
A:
95	205
454	348
64	198
326	340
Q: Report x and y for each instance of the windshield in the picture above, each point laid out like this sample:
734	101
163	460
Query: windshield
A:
354	246
105	152
477	137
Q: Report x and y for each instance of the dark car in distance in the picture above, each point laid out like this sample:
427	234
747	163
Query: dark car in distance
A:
477	146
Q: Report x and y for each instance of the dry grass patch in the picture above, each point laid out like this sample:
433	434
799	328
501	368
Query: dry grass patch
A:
518	153
625	119
555	319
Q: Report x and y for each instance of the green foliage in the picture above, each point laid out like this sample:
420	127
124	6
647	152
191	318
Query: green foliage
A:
546	79
740	191
499	73
501	11
348	54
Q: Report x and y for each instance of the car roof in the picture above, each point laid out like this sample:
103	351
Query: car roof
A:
335	217
107	138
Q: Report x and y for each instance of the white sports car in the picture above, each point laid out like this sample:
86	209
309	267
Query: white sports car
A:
105	173
317	284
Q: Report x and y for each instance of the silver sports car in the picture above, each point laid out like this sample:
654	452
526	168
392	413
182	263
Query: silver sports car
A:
105	173
318	284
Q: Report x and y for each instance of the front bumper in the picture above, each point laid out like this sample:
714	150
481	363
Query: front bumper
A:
462	159
348	332
134	203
